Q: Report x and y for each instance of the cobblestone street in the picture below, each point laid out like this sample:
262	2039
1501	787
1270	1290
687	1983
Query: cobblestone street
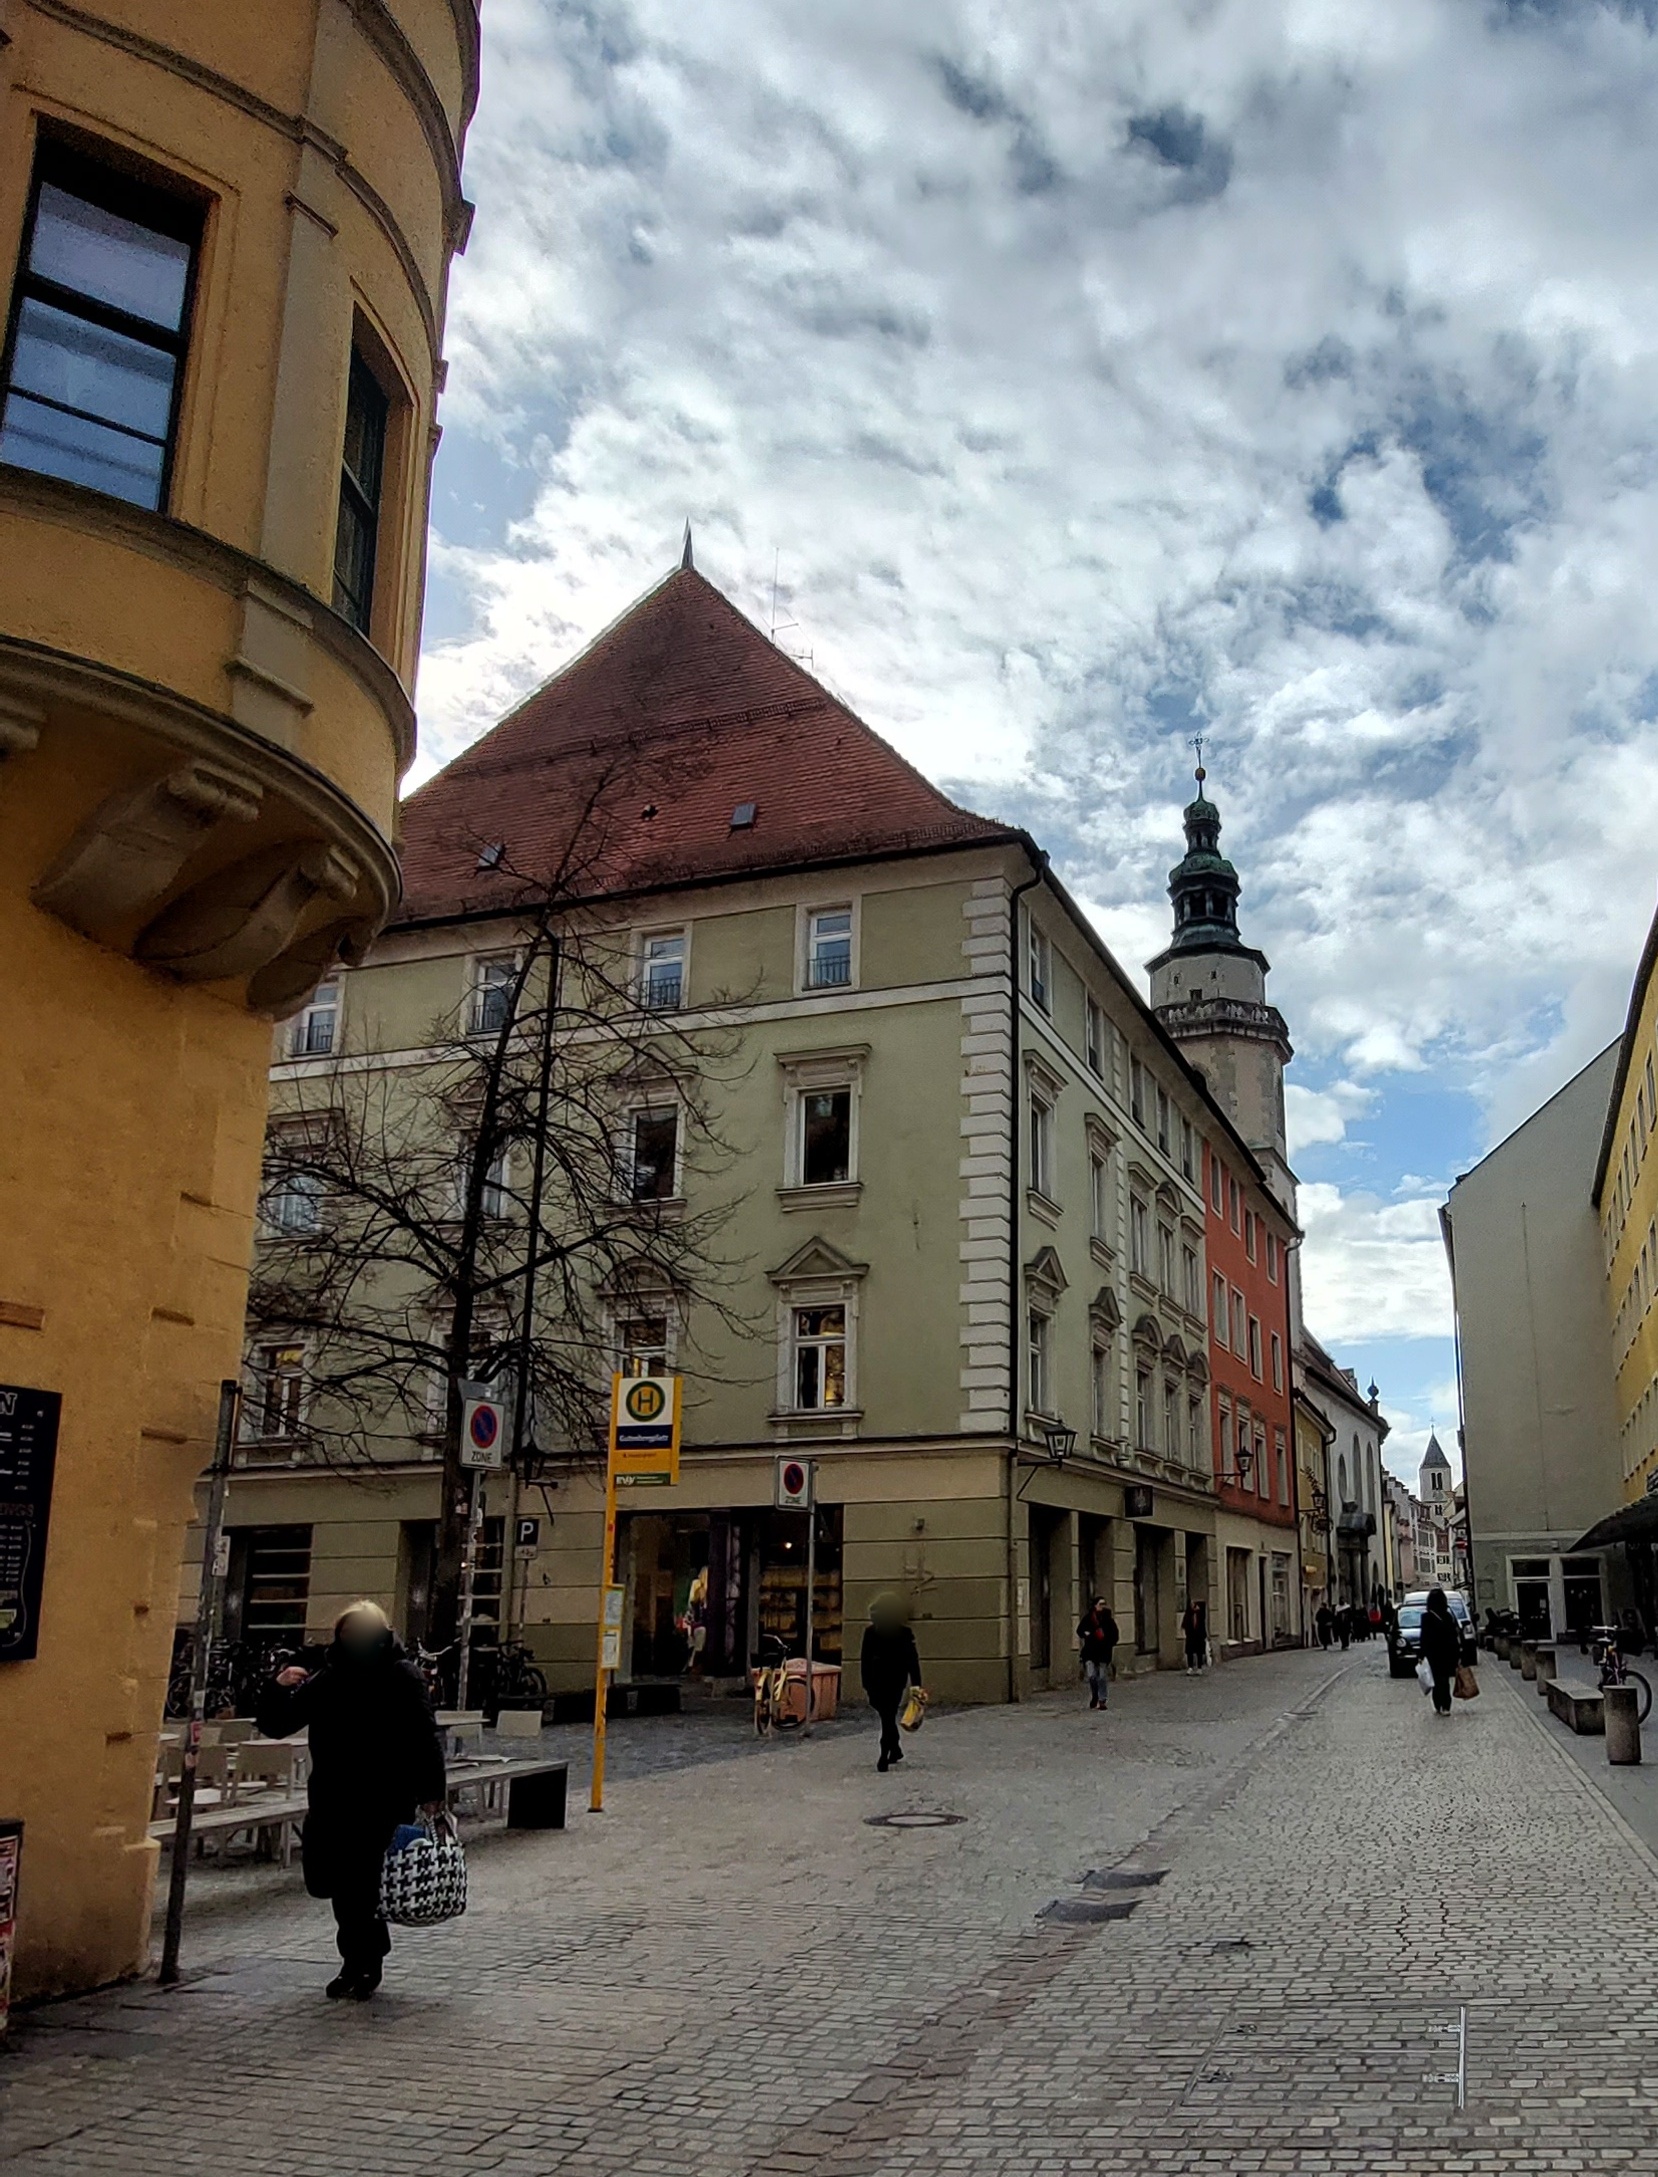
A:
733	1972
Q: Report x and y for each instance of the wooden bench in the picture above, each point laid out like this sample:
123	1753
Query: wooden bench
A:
531	1790
260	1812
1578	1704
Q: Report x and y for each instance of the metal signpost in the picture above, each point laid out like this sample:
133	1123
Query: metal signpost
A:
797	1491
483	1449
644	1447
209	1607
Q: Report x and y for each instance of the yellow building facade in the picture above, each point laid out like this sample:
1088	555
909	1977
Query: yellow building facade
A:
225	237
1626	1202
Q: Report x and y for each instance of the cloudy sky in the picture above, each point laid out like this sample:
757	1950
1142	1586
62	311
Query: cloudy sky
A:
1094	374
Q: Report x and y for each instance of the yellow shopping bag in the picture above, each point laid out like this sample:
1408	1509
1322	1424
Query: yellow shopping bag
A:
913	1714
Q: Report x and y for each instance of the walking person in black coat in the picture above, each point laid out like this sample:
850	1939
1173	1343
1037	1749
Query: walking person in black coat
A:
888	1664
1441	1648
1099	1636
376	1756
1194	1629
1325	1621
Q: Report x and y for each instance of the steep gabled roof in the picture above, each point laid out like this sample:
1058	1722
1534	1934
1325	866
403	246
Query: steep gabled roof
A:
629	768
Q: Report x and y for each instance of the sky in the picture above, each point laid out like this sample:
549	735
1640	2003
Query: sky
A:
1064	382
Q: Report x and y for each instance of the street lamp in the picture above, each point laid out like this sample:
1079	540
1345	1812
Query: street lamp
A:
1061	1441
1246	1459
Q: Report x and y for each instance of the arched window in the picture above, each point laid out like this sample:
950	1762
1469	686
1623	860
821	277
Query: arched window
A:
1341	1477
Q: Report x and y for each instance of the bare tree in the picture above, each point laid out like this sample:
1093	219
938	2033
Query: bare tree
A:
491	1207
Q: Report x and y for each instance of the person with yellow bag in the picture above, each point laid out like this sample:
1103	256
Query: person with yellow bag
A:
889	1663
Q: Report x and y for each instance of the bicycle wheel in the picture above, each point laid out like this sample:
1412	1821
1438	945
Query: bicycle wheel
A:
1643	1694
762	1710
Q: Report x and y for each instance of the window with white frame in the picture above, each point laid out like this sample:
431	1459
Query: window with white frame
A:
1038	1353
1233	1198
1099	1194
1280	1453
1240	1324
1171	1421
1094	1038
1139	1237
1137	1092
1249	1234
274	1409
1041	1144
822	1092
1277	1362
1194	1430
825	1123
643	1343
1038	965
1142	1409
1263	1473
1188	1150
662	970
492	987
653	1153
1191	1271
1272	1257
817	1355
1163	1120
1099	1384
495	1196
829	948
1165	1259
315	1029
292	1195
1217	1184
1220	1311
1255	1346
1226	1462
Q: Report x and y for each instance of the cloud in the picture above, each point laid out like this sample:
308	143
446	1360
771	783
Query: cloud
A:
1373	1269
1315	1116
1094	377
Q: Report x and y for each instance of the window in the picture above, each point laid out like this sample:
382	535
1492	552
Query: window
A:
1240	1324
662	970
1099	1380
654	1173
1099	1195
269	1583
1272	1257
292	1200
642	1347
275	1404
1042	1146
1171	1422
1039	1336
819	1335
1163	1120
1194	1432
825	1136
1226	1440
1249	1234
362	470
1255	1346
1188	1150
1165	1259
316	1026
1217	1181
493	1195
1219	1310
1142	1408
1039	966
1191	1280
829	948
492	994
1137	1092
99	331
1094	1038
1280	1459
1263	1473
1139	1237
1233	1198
1277	1362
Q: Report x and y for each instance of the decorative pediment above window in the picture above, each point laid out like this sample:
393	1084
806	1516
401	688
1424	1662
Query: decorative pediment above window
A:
1197	1368
1046	1079
1168	1199
1103	1311
818	1262
830	1067
1190	1230
1100	1137
1174	1352
1047	1271
1148	1332
1139	1170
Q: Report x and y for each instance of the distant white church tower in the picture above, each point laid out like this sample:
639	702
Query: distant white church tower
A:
1433	1481
1209	989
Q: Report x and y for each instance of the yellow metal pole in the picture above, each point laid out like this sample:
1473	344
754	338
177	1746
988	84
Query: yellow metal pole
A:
601	1676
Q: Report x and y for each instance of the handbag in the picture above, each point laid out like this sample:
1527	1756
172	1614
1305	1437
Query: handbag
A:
913	1714
1465	1685
1424	1676
423	1879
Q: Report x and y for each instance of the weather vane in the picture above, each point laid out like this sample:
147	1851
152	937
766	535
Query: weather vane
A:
1197	743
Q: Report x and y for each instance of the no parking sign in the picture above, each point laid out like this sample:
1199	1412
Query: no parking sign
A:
483	1430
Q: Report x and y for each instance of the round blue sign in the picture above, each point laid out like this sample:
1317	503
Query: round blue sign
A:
484	1426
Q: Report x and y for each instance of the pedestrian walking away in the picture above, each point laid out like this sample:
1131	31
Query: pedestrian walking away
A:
1098	1636
1325	1621
1441	1648
1344	1626
888	1664
1194	1626
376	1757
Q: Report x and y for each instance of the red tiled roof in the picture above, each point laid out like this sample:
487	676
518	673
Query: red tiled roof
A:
624	770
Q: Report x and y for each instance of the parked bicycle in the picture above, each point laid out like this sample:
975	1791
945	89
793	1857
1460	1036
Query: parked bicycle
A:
779	1699
1615	1670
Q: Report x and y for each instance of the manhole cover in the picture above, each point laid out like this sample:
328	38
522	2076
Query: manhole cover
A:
917	1818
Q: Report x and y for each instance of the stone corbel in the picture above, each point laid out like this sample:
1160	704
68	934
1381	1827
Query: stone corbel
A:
238	921
20	725
280	989
130	851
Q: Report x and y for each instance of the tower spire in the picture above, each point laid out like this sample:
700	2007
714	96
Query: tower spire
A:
685	559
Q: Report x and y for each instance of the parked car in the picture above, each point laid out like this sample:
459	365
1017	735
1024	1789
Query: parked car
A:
1404	1649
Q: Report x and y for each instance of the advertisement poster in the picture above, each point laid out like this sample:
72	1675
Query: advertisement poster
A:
28	1449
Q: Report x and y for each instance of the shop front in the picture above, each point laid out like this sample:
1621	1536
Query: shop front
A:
705	1588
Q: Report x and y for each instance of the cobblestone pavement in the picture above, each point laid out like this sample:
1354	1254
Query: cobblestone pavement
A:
733	1974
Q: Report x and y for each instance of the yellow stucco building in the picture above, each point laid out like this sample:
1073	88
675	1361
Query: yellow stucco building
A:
225	236
1626	1202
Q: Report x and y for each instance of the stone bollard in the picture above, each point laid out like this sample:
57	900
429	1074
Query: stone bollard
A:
1502	1647
1528	1660
1514	1651
1545	1670
1623	1728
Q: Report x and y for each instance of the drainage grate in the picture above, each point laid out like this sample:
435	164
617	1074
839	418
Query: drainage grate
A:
1122	1878
1085	1911
916	1818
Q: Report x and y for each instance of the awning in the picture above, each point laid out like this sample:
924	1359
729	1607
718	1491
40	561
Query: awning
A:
1631	1523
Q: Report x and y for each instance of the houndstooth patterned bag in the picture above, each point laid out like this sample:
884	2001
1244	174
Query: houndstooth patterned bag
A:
423	1880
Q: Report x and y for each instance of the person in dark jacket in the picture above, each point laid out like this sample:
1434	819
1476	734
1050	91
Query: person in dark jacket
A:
1325	1620
888	1663
1344	1626
1194	1627
1441	1648
1098	1637
376	1757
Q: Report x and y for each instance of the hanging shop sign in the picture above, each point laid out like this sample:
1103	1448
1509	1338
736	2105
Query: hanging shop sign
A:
28	1452
644	1428
1136	1501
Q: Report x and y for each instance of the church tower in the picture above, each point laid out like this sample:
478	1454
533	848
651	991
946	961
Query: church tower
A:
1209	990
1434	1480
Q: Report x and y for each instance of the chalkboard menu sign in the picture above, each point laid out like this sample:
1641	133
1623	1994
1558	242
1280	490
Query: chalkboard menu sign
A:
28	1448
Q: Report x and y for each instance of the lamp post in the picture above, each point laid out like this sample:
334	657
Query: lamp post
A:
1061	1441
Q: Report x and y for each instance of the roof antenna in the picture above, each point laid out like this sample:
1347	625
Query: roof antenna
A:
782	627
685	559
